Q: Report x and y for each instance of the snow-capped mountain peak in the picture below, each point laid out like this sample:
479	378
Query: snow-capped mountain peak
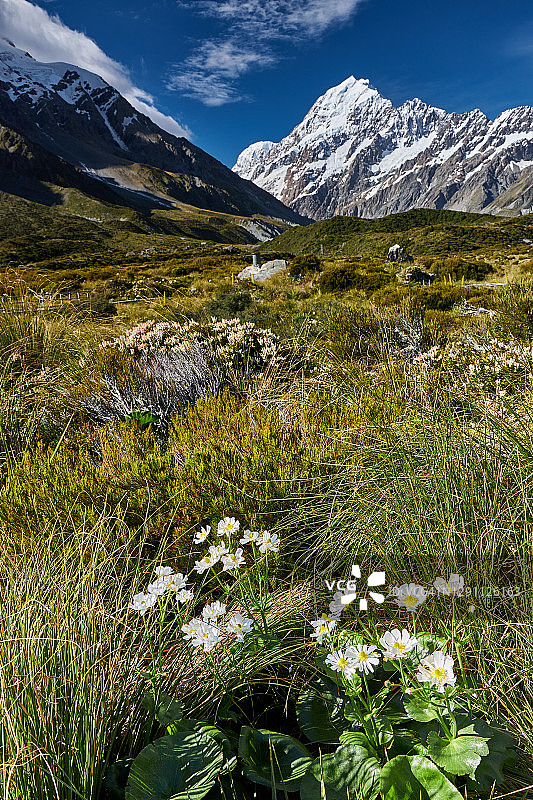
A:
355	153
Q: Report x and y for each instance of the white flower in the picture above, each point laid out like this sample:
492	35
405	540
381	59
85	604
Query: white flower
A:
213	611
228	526
142	602
174	582
268	541
410	596
396	644
184	595
201	634
204	564
157	588
240	625
340	662
249	537
160	571
202	534
455	585
323	627
217	551
233	560
437	670
365	656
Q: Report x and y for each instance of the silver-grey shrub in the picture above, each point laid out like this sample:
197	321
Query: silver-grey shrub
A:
163	383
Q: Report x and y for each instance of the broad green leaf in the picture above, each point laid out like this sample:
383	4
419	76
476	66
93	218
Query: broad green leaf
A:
356	739
350	773
116	779
273	759
183	766
419	708
164	708
405	743
415	778
459	756
320	711
501	753
219	736
228	788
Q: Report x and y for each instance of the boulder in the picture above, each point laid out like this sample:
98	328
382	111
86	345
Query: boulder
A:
397	255
261	273
414	274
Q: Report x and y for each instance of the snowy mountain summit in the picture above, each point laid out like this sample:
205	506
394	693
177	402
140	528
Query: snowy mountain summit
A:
355	154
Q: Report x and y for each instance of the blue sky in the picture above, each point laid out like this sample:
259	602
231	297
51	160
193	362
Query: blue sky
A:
232	72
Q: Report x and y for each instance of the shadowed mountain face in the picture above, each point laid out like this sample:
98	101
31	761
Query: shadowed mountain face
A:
355	154
77	117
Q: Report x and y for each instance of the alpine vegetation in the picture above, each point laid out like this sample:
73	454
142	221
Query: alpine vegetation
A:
272	540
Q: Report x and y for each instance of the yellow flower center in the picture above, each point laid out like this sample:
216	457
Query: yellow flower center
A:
411	600
399	646
363	656
323	629
439	674
342	663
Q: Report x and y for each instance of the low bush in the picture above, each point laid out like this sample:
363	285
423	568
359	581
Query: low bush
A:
304	265
461	269
342	277
229	303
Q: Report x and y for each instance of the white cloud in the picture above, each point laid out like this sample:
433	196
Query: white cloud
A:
258	27
48	39
210	73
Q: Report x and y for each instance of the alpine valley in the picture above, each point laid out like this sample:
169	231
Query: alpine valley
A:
355	154
62	128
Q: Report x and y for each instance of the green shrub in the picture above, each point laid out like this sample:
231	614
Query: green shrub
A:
438	298
461	269
303	265
342	277
230	303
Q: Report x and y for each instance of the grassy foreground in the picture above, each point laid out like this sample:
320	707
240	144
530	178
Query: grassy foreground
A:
347	444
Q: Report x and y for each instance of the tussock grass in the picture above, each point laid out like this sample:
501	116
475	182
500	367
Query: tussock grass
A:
350	461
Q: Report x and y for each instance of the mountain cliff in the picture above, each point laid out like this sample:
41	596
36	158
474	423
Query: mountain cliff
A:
94	135
356	154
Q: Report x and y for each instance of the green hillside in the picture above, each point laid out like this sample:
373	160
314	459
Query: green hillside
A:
420	231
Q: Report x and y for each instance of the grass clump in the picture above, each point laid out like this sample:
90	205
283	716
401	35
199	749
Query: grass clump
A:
183	499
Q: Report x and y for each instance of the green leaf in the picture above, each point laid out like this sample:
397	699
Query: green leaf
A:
205	728
405	743
460	756
356	739
116	779
320	711
273	759
350	773
419	707
415	778
183	766
164	708
501	753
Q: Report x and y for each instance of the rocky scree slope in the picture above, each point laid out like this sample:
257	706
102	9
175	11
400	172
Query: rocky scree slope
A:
355	154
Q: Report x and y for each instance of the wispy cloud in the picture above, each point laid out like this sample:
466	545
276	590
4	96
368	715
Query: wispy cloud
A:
48	39
259	28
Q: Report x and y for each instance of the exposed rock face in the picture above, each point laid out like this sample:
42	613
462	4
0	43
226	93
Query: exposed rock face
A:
355	154
76	116
398	255
260	274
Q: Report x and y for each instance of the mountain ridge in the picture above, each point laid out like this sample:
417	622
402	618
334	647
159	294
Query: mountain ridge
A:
79	118
356	154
